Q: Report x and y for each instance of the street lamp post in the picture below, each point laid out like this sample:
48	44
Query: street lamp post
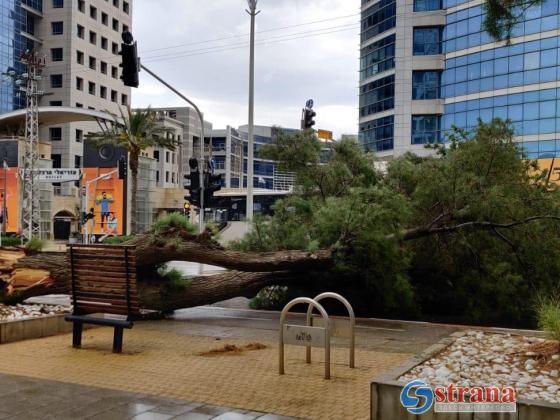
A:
250	147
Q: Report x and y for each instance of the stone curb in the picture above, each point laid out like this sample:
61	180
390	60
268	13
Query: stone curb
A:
385	391
25	329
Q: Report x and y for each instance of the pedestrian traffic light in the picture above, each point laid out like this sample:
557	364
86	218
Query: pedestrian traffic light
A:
193	184
308	121
123	167
130	63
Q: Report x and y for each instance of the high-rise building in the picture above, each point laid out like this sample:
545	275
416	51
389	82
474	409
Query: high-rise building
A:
427	65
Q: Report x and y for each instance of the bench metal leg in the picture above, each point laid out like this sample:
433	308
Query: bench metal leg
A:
77	335
117	340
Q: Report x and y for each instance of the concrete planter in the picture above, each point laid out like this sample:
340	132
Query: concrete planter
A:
17	330
386	405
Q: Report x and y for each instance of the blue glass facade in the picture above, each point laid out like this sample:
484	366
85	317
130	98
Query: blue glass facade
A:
481	79
14	20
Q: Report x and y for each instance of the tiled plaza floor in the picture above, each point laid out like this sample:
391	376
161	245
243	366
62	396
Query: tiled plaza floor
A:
167	363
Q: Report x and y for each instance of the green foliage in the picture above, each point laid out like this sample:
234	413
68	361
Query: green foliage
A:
503	15
176	280
173	220
117	240
270	298
433	236
548	314
35	245
10	241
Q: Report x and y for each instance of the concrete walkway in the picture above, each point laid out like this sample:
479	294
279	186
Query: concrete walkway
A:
29	399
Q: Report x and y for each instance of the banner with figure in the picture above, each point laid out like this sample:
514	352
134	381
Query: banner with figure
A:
9	179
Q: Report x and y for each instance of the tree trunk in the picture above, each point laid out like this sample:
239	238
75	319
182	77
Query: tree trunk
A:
133	192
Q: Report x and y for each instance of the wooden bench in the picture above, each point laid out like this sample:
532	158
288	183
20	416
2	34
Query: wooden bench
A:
103	289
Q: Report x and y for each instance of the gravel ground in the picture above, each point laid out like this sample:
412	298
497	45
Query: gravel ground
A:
488	359
17	312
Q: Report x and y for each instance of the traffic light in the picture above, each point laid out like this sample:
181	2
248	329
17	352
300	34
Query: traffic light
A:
212	184
130	63
193	186
123	167
308	121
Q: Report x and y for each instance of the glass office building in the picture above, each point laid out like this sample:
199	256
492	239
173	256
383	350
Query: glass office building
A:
446	70
17	34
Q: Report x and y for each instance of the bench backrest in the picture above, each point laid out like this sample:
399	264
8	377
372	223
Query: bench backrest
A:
104	279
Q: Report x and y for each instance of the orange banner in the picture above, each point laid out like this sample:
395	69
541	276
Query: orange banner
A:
10	176
106	200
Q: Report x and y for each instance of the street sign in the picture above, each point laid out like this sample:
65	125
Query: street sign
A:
325	134
57	175
298	335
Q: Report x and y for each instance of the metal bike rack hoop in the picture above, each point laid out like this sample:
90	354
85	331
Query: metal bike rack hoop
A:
305	335
333	328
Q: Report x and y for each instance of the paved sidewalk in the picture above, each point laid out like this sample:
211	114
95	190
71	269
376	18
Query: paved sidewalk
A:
28	399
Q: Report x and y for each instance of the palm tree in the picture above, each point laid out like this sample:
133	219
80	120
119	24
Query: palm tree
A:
139	130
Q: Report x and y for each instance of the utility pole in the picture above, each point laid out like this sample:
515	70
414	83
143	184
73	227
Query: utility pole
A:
250	147
30	208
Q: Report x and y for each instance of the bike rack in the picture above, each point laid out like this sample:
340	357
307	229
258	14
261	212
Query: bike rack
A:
338	328
300	335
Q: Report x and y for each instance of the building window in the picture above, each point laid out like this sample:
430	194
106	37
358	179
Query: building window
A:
378	135
157	177
427	5
103	67
104	43
56	54
103	92
55	103
114	72
92	38
57	4
125	28
156	155
126	7
92	63
377	96
166	176
79	136
56	161
77	161
104	19
82	6
81	31
91	88
57	28
426	84
427	41
124	99
377	57
55	133
80	57
56	80
115	25
79	105
115	48
93	12
173	178
426	129
114	96
116	3
167	157
378	18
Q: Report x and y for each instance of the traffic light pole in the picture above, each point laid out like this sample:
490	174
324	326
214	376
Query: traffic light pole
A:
201	166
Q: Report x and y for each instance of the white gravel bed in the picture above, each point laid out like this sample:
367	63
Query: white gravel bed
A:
488	359
21	312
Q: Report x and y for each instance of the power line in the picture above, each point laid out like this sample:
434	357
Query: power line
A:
258	32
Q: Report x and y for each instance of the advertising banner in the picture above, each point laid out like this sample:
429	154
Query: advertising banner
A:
105	202
9	179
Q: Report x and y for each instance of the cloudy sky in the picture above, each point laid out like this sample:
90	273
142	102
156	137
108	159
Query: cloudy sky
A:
305	49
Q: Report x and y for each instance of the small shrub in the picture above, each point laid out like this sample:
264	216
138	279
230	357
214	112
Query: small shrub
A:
10	241
270	298
35	245
548	315
173	220
117	240
176	279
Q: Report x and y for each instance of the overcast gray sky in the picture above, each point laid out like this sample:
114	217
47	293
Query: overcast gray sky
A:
210	61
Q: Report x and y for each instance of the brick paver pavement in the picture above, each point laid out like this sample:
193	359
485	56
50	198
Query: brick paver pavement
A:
166	363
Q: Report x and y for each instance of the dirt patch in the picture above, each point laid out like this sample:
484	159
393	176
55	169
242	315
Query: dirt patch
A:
547	354
232	350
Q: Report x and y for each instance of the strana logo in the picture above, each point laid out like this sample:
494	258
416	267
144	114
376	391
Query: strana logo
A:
417	397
